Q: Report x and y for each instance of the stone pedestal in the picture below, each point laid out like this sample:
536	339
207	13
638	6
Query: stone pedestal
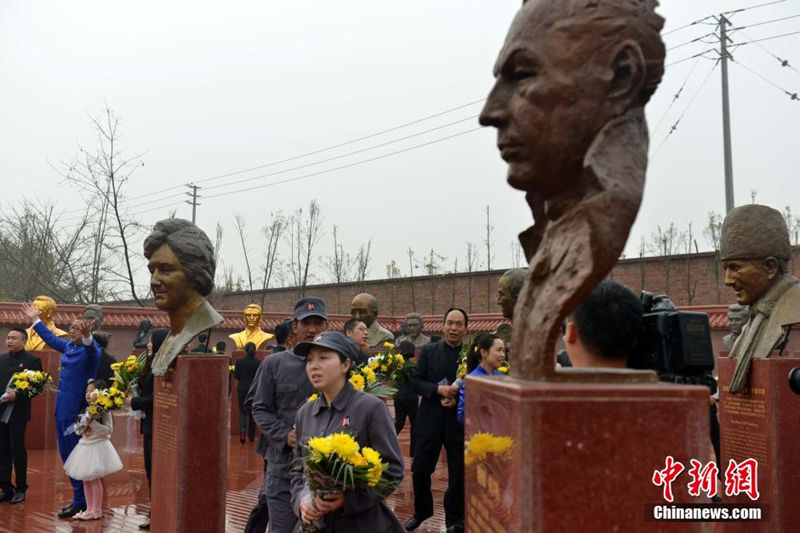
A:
41	431
234	425
190	446
764	423
582	456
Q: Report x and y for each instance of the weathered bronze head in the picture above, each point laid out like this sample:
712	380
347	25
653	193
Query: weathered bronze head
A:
365	308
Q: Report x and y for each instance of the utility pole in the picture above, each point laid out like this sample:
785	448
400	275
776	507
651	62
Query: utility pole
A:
726	116
193	202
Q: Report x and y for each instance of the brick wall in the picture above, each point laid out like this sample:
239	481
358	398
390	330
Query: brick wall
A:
695	279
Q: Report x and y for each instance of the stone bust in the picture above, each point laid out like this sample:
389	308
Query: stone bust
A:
181	264
143	334
252	331
365	308
47	310
755	250
737	318
572	80
413	326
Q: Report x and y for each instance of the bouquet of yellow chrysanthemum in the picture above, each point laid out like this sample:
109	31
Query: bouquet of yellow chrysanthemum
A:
364	378
29	383
129	371
389	365
103	401
337	463
482	446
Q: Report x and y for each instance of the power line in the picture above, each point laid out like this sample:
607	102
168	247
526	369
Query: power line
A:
768	38
783	62
690	41
764	22
228	184
349	165
791	95
703	53
698	21
675	97
694	97
752	7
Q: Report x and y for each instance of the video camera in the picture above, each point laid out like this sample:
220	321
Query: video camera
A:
676	344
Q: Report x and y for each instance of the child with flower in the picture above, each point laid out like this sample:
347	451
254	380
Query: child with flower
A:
359	427
94	456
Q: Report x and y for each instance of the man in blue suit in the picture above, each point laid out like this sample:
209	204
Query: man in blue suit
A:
80	357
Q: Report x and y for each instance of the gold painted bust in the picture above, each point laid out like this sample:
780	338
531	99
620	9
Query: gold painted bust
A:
47	309
252	332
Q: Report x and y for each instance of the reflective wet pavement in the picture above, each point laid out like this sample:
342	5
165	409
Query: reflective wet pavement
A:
126	501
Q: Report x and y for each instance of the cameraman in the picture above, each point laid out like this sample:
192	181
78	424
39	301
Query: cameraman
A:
603	330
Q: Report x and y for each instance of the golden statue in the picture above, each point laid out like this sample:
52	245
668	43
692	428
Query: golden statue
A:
47	309
252	332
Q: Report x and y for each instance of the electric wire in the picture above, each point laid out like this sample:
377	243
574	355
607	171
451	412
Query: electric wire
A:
791	95
675	97
740	10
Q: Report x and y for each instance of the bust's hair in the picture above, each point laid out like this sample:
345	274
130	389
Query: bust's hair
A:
190	245
610	22
49	305
414	315
253	306
516	278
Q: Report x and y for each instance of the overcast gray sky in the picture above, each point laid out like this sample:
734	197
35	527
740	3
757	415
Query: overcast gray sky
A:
209	88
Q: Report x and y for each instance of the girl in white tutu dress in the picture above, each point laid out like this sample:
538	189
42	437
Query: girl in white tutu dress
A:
93	457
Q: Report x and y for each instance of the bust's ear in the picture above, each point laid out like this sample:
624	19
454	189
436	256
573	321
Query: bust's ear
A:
771	266
628	67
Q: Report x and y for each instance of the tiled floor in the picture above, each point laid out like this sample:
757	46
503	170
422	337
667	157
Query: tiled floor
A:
127	497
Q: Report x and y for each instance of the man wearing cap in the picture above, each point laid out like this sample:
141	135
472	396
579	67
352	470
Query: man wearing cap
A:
281	388
755	250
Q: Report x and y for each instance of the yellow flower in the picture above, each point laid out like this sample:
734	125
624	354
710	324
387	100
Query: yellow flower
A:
312	398
357	460
372	456
374	475
21	385
117	401
357	380
321	445
503	369
92	410
389	345
373	364
116	366
343	445
368	374
400	360
131	358
480	445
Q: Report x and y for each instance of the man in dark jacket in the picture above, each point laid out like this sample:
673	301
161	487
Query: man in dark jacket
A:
15	412
244	372
104	371
438	426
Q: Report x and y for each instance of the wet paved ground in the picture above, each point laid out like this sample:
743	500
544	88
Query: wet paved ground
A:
126	502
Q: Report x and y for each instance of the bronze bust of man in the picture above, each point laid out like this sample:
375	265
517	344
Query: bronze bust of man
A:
755	249
365	308
737	318
252	331
414	332
572	80
508	288
181	263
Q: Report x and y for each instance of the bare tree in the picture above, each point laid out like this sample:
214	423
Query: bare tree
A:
665	243
453	283
240	225
642	269
392	273
472	262
103	174
516	254
432	268
489	257
410	254
712	231
691	285
792	223
362	261
304	234
272	234
338	266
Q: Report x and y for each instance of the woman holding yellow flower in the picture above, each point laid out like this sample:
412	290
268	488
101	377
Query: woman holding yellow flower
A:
485	358
340	408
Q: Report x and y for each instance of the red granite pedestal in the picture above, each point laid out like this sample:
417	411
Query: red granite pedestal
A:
190	418
763	422
582	455
41	431
234	425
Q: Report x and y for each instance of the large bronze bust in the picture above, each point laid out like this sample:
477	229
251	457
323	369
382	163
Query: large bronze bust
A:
181	263
755	250
572	80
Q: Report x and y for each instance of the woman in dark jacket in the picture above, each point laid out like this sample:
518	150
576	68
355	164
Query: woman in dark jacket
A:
143	401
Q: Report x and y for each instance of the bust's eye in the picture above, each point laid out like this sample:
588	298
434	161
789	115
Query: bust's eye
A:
523	73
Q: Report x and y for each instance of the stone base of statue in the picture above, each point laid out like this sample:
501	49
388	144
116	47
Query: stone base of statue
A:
763	423
582	455
190	446
41	431
234	425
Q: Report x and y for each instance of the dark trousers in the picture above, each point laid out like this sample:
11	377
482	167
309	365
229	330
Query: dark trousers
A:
66	443
12	451
426	456
259	515
406	407
148	456
714	425
247	424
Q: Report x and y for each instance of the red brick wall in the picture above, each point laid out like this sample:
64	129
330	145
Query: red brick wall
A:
700	274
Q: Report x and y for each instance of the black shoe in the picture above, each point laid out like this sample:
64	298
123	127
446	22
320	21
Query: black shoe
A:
65	507
145	525
241	437
19	497
413	523
6	495
71	510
